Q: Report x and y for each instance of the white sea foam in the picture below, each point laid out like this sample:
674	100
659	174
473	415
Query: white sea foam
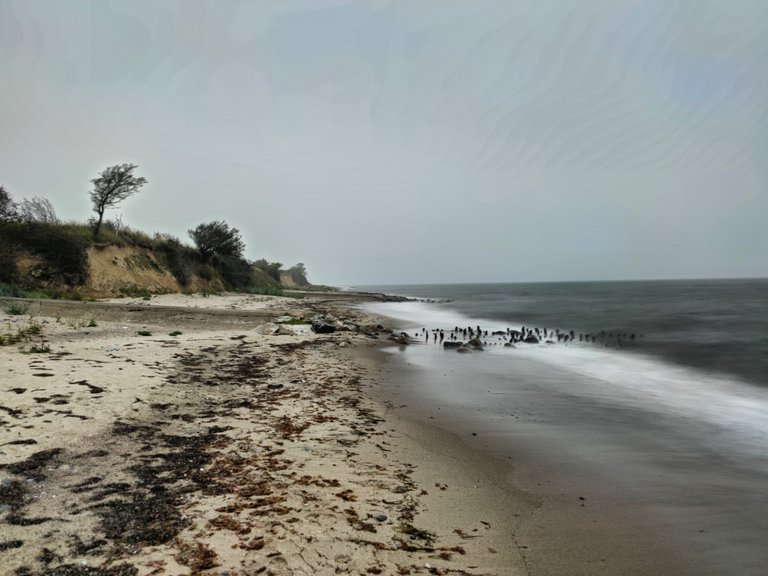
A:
622	378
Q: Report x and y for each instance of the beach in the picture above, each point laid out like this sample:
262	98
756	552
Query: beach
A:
192	434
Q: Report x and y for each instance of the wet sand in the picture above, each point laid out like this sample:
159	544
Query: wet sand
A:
644	501
182	436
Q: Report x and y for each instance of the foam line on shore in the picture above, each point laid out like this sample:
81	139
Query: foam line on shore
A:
624	377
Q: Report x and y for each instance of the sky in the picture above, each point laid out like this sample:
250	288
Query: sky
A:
408	142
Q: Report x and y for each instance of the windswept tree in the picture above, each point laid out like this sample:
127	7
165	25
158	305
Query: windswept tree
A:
113	185
37	209
217	238
8	208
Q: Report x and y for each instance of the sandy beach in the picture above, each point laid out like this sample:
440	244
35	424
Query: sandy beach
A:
189	434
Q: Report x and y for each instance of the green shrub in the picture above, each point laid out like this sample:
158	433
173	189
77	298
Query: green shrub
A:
296	321
235	272
63	252
178	258
8	269
22	334
206	272
10	291
17	308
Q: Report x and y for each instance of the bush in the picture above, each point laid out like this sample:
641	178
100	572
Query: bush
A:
17	309
206	272
63	252
177	257
9	291
8	268
235	272
218	239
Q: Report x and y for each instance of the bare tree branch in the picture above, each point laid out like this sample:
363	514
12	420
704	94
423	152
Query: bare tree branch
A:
37	209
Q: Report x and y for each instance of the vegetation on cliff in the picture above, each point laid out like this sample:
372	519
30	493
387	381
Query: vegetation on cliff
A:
38	252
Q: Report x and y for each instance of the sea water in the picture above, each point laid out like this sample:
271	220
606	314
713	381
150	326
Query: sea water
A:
669	403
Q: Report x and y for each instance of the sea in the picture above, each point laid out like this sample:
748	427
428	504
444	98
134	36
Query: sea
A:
652	395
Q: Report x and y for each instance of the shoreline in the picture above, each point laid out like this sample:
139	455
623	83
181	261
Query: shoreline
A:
585	516
189	438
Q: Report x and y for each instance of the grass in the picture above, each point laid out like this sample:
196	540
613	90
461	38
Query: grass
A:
264	290
22	334
10	291
295	321
294	295
39	294
16	309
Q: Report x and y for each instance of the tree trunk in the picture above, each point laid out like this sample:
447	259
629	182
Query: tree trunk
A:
97	228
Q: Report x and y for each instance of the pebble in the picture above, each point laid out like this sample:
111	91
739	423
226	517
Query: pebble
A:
381	517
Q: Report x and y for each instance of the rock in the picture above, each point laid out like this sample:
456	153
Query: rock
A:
322	327
266	329
380	517
509	345
272	329
475	343
452	344
401	338
464	350
531	340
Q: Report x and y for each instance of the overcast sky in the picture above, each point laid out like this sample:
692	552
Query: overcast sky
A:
396	142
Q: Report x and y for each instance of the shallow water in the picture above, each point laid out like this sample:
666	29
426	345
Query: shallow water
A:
685	448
